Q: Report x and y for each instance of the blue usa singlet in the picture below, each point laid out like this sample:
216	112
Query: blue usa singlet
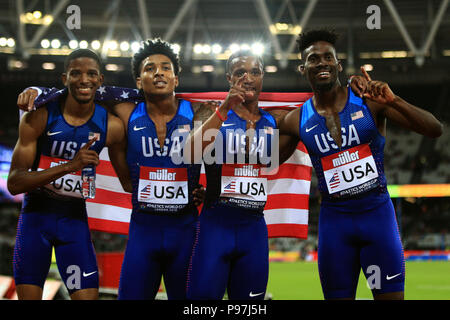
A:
231	248
357	224
162	226
55	215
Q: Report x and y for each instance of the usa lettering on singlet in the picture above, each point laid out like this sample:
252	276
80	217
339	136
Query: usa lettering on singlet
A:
244	185
355	167
62	141
160	177
243	182
163	188
350	172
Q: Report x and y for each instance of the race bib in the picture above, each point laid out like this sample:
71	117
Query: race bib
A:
350	172
68	185
243	185
163	189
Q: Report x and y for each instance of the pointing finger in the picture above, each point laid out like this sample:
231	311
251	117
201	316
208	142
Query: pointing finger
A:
366	75
89	143
240	80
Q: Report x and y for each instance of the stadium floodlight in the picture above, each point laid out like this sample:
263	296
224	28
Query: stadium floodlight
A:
216	48
245	47
176	48
124	46
55	44
96	44
73	44
10	42
207	68
45	43
206	49
112	45
258	48
112	67
48	19
83	44
37	14
271	69
198	48
3	41
234	47
135	46
48	66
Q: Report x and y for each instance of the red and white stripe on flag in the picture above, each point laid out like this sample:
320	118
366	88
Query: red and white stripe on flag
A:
286	210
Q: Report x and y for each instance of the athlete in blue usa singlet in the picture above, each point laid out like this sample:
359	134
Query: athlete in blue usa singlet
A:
55	143
345	137
231	247
357	224
162	225
55	215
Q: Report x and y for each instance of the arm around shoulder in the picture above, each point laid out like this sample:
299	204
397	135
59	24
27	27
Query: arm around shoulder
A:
289	134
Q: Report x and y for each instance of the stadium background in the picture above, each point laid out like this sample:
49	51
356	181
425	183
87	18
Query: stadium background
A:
410	51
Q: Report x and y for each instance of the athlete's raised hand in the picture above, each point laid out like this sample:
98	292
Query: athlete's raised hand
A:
377	91
237	93
25	100
84	157
358	84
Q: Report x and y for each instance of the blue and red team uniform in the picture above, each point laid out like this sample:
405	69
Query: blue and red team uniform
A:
163	220
55	215
357	222
231	246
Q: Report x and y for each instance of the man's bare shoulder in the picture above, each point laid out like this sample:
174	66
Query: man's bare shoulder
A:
203	110
278	114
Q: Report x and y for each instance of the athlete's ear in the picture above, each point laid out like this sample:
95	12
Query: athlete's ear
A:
340	66
176	81
301	69
64	78
138	83
101	78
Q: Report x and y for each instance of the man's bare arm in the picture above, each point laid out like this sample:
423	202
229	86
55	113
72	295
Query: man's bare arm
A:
20	179
117	151
289	134
384	104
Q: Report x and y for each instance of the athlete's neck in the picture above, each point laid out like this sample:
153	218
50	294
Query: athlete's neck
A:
75	112
248	110
161	105
329	100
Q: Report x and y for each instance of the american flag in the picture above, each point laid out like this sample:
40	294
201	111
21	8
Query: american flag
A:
146	192
357	115
231	187
334	181
286	210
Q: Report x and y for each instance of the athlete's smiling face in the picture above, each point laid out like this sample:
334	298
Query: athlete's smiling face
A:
82	79
253	81
321	66
157	76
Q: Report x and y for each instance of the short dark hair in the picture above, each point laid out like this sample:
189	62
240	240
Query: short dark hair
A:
82	53
243	53
150	47
306	39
